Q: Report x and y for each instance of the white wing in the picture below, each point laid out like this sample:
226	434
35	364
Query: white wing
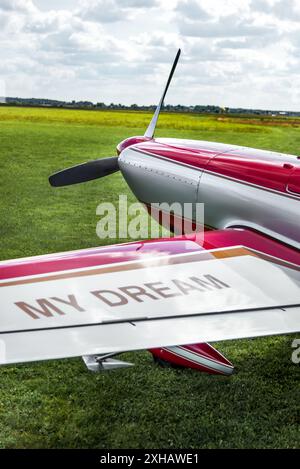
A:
148	302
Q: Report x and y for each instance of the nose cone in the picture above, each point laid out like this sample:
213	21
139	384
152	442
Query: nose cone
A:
129	142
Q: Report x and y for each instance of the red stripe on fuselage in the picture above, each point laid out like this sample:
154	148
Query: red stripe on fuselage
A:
267	170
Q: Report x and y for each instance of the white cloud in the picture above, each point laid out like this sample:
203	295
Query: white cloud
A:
21	6
282	9
228	26
111	11
192	9
106	11
237	52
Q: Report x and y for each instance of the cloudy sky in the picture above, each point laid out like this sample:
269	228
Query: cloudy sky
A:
234	52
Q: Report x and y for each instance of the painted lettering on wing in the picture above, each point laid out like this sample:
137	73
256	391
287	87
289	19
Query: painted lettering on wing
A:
46	307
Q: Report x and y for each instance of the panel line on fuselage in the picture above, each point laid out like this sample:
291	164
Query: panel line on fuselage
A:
223	176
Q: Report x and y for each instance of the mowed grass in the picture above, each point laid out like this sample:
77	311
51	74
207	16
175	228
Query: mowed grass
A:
60	404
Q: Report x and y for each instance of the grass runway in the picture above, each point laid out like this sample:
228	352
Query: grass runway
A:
59	404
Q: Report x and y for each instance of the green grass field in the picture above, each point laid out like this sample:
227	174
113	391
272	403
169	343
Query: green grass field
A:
60	404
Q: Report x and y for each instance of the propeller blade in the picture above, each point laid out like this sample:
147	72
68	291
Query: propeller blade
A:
151	127
85	172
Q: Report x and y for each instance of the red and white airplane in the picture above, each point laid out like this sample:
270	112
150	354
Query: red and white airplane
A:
239	279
